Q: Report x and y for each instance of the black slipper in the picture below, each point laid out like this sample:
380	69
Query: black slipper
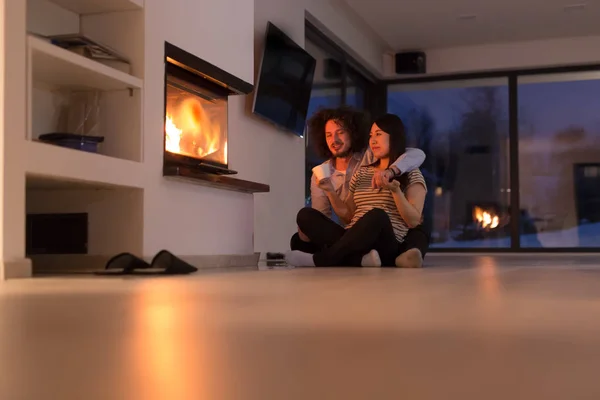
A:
165	263
123	264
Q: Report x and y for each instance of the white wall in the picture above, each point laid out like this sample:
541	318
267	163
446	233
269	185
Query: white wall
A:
46	18
13	131
196	220
185	218
341	24
530	54
2	132
280	154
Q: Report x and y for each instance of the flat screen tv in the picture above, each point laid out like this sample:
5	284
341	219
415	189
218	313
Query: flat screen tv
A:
284	82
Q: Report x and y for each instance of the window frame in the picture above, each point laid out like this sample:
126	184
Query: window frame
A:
513	76
376	92
367	80
372	87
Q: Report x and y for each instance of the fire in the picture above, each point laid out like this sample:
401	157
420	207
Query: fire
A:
486	219
173	136
190	130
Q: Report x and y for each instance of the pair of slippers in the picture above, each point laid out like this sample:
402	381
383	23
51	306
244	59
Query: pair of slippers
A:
163	263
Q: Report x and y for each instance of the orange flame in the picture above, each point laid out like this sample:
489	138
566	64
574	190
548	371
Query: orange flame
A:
191	131
173	135
486	219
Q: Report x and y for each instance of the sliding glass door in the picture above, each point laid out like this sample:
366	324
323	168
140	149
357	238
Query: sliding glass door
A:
513	159
462	126
559	159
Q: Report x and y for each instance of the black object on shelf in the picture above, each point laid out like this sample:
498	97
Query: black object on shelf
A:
73	141
57	233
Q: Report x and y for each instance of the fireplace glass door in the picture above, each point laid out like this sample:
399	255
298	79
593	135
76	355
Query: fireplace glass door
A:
195	120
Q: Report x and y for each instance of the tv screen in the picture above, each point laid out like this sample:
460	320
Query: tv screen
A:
284	82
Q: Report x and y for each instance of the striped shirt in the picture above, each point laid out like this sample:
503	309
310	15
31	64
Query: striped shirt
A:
413	158
366	198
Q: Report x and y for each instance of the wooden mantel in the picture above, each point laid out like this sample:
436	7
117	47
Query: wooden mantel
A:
227	182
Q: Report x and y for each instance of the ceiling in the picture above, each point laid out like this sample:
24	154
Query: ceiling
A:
425	24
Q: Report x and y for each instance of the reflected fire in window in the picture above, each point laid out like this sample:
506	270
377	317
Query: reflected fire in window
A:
486	219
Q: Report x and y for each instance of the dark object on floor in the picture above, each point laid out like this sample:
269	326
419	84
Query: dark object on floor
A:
165	263
275	259
73	141
123	264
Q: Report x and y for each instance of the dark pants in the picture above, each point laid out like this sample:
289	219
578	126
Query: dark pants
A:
321	230
416	238
332	245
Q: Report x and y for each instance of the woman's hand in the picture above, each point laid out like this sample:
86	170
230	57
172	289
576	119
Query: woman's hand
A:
326	185
393	186
380	178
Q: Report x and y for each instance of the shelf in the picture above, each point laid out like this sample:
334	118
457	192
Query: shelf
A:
99	6
59	67
57	166
226	182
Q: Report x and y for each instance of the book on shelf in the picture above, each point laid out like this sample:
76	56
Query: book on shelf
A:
95	49
110	62
92	49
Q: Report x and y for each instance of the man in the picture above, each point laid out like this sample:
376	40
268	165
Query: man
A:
341	135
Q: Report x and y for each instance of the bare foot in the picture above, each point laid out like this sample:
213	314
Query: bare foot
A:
411	258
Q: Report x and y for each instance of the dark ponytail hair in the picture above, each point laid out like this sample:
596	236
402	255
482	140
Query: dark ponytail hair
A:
393	126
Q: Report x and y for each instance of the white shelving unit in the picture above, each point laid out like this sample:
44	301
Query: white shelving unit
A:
58	67
59	163
52	68
107	186
99	6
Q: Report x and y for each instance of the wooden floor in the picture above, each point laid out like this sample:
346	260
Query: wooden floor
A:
466	328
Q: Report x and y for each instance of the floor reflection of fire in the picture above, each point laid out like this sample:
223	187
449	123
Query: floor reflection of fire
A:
486	219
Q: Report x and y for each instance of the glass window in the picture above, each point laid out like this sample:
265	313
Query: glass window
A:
355	91
337	82
326	93
559	160
462	126
327	82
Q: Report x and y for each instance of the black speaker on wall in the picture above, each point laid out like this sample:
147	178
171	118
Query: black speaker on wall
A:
411	62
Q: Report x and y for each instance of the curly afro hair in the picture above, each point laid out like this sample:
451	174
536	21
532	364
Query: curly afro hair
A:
356	122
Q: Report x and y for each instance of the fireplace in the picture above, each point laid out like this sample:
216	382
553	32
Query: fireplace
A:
195	118
195	121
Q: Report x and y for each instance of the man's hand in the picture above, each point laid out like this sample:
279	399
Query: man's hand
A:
326	185
381	178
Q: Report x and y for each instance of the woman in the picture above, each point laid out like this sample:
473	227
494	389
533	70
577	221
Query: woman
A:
384	226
